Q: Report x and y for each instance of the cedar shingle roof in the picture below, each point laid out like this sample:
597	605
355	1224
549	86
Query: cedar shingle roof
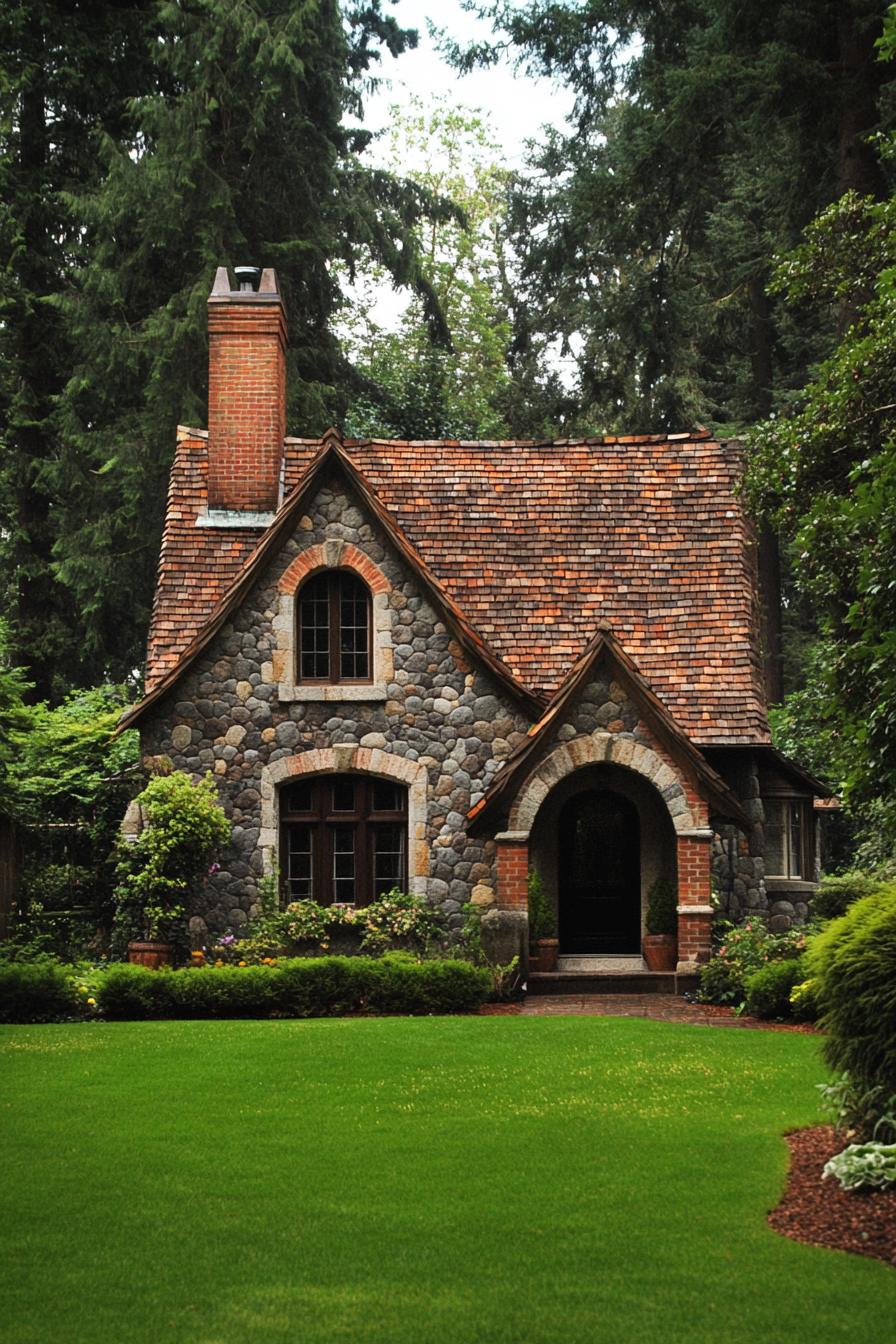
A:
677	742
537	543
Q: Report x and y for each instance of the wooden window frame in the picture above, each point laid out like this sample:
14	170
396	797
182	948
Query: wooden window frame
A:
807	838
322	817
334	579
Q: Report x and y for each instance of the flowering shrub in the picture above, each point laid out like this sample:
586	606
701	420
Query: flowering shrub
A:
744	949
396	920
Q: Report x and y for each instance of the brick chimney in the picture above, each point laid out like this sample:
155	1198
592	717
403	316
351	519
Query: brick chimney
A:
246	390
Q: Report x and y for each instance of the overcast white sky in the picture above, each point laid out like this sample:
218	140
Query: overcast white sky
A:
514	105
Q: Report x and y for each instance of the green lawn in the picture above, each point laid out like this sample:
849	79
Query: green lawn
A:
442	1181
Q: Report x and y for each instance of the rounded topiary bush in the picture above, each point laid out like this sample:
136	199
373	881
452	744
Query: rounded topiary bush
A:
768	991
852	963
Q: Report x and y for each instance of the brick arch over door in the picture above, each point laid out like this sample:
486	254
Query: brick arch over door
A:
332	554
599	749
343	760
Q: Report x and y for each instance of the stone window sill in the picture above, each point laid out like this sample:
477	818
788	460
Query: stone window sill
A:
792	884
331	694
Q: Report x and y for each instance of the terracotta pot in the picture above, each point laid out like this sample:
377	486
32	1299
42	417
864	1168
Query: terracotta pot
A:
153	955
534	959
547	953
660	951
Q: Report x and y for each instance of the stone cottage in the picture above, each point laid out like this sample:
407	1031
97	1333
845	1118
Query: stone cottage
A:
437	665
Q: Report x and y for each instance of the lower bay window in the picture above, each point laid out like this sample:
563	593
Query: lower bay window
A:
343	839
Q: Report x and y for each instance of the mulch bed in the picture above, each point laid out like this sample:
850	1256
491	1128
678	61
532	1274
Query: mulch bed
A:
821	1214
723	1011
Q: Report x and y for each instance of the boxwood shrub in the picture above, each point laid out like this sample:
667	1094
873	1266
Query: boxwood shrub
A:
299	987
40	991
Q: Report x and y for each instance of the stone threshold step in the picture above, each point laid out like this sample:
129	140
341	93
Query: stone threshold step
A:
611	982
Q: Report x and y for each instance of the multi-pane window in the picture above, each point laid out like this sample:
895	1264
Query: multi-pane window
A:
334	628
344	838
787	838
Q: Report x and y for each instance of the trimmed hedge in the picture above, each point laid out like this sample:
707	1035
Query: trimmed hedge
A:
768	990
40	991
300	987
852	963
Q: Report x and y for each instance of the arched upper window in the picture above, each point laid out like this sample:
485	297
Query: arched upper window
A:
334	629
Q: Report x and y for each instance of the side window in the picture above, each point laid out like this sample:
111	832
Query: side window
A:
788	838
333	624
343	838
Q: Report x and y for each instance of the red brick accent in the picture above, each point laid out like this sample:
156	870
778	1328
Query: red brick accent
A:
694	937
693	871
694	926
314	558
513	874
246	397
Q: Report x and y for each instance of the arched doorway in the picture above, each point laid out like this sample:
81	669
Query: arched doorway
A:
599	874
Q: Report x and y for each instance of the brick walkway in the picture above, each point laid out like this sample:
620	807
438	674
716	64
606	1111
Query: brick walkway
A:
659	1007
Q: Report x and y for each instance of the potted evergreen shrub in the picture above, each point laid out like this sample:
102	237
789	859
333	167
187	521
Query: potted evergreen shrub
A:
660	942
184	825
543	943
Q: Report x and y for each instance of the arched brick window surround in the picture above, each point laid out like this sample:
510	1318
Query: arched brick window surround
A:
595	750
345	759
333	554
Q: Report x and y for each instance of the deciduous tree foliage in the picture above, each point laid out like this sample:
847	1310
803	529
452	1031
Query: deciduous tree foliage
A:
825	472
706	135
202	132
413	386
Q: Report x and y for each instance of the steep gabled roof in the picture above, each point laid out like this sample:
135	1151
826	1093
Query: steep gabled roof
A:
329	457
536	543
680	747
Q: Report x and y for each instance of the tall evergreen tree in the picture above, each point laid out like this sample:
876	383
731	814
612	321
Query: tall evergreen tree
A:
229	146
706	134
68	70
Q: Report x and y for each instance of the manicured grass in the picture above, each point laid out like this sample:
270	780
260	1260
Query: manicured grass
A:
442	1181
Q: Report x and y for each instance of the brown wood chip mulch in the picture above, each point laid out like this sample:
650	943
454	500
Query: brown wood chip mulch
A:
821	1214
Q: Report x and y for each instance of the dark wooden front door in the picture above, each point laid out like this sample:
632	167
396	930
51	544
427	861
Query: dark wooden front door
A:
600	874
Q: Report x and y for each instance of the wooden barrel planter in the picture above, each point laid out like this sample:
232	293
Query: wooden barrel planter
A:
153	955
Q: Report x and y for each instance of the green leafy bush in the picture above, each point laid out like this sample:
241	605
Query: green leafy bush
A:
836	894
744	949
542	920
768	991
300	987
41	991
662	907
853	964
158	870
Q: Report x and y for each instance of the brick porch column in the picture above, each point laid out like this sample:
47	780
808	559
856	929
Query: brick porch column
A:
695	910
513	870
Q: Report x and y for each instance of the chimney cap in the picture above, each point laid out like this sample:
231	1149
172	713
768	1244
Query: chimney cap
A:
254	285
247	278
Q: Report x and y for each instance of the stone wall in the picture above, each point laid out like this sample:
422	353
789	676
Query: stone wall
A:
437	710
